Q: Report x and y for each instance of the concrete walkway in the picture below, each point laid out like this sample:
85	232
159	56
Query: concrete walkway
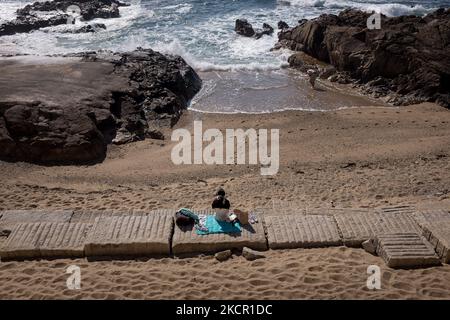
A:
405	237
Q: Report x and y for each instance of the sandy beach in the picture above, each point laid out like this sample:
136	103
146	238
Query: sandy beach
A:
362	157
353	202
333	273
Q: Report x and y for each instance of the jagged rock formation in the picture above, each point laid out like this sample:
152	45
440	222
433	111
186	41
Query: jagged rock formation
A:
408	59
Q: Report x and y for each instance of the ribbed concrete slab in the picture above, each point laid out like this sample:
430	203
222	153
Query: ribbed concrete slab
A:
9	218
333	211
89	216
302	231
186	240
359	227
397	209
436	216
297	208
436	229
36	240
131	235
406	250
439	237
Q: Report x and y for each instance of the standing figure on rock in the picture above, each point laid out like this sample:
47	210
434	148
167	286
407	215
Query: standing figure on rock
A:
313	75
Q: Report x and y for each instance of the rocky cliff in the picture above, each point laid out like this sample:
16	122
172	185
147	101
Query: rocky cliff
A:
407	60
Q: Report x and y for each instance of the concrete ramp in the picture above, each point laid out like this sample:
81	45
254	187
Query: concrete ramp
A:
301	231
406	250
186	241
131	235
359	227
48	240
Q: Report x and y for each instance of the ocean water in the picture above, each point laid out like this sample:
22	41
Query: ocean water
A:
202	32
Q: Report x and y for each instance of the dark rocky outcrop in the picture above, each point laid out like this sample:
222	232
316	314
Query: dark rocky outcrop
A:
28	18
266	30
49	134
408	59
282	25
244	28
30	23
89	28
89	9
68	112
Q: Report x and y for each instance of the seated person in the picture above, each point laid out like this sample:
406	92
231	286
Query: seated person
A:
221	205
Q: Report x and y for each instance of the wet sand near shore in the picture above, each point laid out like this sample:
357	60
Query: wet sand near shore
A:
271	91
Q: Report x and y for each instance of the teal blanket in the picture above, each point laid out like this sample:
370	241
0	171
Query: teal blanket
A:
215	226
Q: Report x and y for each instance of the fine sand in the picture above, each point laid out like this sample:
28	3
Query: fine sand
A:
332	273
366	157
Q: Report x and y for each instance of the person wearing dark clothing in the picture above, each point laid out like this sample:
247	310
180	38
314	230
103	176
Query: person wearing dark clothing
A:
221	205
220	201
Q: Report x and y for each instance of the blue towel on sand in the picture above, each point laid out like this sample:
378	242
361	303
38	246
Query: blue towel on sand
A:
215	226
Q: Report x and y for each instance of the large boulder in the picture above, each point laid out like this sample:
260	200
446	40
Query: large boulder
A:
70	118
410	53
244	28
51	135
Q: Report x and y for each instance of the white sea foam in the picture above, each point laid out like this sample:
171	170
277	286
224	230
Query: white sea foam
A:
58	39
389	9
176	48
8	10
396	9
306	3
252	47
181	8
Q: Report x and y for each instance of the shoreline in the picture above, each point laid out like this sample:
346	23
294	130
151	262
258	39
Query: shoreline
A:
250	92
345	149
289	110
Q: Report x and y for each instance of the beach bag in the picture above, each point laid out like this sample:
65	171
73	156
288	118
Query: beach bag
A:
242	216
185	217
181	220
